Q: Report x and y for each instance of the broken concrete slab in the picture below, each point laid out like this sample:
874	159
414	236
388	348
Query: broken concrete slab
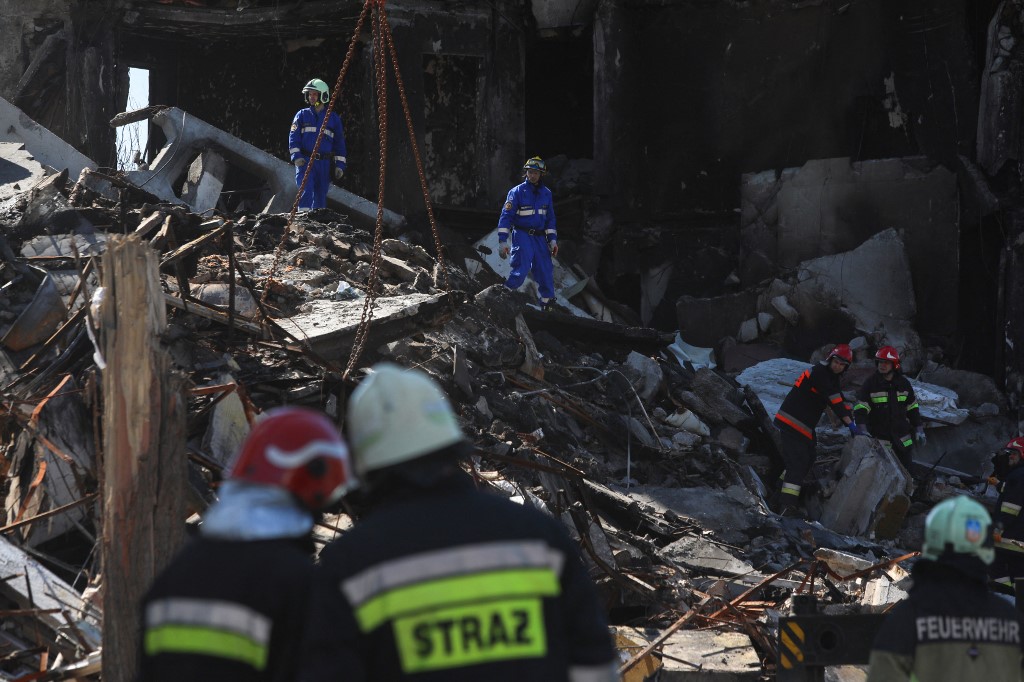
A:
18	170
872	495
328	327
829	206
705	557
706	321
731	514
204	182
708	655
228	427
872	283
187	137
40	143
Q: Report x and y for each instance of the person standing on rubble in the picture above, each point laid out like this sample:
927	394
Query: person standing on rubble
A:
1009	533
529	215
887	407
330	158
234	602
814	390
438	580
950	627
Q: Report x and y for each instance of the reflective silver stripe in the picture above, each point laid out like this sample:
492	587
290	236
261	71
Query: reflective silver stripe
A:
607	672
790	489
542	211
329	133
220	615
502	230
525	211
862	406
836	398
1009	508
294	150
549	231
340	159
310	129
1009	547
462	560
883	394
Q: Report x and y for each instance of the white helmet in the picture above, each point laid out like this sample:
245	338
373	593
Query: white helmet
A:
396	415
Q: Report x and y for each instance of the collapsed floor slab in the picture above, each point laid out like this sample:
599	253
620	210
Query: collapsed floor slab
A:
188	137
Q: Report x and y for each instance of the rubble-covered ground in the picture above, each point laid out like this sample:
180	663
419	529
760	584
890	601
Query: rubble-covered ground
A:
656	460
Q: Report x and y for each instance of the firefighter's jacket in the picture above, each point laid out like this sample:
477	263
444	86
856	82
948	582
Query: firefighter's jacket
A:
1008	514
813	391
305	128
889	409
231	611
529	209
451	583
950	628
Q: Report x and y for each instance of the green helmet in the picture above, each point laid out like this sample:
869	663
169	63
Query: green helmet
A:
317	85
536	163
959	525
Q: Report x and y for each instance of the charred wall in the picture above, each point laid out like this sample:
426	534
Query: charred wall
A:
462	74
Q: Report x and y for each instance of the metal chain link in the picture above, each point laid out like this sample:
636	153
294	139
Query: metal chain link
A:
438	246
380	71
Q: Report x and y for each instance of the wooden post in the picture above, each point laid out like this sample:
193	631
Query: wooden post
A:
144	462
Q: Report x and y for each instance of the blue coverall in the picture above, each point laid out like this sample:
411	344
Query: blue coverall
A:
529	213
331	154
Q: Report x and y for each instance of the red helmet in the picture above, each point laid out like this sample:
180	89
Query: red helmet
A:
889	353
1016	444
299	450
843	352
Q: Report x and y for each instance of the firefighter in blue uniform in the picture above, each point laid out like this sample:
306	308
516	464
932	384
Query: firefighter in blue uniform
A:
439	581
233	603
529	215
330	159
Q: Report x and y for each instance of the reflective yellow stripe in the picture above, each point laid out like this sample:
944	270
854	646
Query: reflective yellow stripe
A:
907	442
1010	508
913	406
879	399
790	489
182	639
447	592
861	406
468	635
1008	547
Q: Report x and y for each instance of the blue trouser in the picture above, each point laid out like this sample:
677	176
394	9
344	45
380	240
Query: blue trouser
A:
319	182
529	254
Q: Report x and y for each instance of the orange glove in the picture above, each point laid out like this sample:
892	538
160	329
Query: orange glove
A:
503	251
997	535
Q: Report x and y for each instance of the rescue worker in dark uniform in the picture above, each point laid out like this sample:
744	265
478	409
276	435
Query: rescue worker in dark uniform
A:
234	602
529	214
438	580
330	158
887	407
950	627
813	391
1009	535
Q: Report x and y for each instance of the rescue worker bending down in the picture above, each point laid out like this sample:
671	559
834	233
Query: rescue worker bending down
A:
439	580
814	390
529	213
233	603
1009	535
950	627
330	157
887	407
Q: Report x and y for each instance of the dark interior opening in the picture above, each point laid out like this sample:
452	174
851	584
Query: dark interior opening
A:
560	97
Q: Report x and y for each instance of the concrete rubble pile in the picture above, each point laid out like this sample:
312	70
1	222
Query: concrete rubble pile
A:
658	465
